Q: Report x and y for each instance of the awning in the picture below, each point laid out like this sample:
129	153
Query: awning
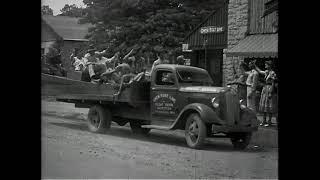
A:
259	46
270	7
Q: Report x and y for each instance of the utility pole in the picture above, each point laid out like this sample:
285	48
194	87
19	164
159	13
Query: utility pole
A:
205	53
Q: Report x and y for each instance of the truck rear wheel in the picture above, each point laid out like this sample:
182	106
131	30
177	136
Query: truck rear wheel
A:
99	119
137	129
240	140
195	131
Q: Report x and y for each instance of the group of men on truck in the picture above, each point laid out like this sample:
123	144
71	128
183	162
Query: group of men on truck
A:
95	67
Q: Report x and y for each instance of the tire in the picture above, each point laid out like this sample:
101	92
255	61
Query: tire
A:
99	119
195	131
240	140
137	129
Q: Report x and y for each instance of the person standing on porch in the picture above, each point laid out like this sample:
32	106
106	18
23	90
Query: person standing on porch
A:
240	81
251	82
268	95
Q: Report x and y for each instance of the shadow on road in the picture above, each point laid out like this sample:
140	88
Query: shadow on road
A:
82	127
74	117
163	137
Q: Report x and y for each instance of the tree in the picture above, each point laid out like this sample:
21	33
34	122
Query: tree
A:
46	10
72	11
151	25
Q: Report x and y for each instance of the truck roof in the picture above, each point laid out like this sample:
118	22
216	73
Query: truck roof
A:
179	67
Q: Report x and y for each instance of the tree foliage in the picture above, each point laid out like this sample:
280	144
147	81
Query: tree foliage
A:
151	25
72	11
46	10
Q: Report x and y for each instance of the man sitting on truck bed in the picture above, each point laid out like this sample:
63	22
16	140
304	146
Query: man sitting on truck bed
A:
114	76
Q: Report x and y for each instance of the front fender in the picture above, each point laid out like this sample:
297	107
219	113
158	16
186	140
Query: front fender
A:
248	116
206	113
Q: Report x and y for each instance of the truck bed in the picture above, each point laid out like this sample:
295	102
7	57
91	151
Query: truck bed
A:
70	90
65	88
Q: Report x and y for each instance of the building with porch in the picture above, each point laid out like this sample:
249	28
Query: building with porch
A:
64	30
236	31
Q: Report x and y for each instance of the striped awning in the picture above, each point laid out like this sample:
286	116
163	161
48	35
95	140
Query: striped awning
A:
259	46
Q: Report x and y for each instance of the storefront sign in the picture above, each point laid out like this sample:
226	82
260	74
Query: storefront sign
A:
211	29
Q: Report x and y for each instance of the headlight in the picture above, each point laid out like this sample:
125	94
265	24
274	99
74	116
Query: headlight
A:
242	104
215	102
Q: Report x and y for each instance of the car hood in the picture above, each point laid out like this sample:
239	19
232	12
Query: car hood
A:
203	89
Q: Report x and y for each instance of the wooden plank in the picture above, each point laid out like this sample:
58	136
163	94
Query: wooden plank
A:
157	127
76	75
85	97
69	86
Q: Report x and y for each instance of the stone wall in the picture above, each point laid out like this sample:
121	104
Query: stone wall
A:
238	13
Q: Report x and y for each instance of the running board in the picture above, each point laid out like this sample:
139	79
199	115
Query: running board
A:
157	127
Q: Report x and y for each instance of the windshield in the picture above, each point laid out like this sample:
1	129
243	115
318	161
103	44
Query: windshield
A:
194	78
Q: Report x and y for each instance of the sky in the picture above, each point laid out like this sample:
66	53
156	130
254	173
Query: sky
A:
56	5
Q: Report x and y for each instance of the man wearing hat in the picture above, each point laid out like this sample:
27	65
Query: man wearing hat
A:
240	80
268	100
131	63
252	82
180	60
91	56
90	59
160	60
91	71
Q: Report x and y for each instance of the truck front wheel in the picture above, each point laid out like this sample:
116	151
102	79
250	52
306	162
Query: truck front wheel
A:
195	131
99	119
240	140
137	129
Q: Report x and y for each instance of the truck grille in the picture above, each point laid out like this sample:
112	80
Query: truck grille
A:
230	108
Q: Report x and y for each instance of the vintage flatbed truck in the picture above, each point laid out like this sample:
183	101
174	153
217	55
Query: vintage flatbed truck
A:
173	97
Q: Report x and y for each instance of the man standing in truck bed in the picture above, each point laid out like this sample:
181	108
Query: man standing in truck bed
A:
160	60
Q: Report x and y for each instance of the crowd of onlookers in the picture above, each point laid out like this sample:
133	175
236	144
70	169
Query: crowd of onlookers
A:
261	95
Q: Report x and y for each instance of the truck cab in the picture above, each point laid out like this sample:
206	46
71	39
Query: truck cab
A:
183	97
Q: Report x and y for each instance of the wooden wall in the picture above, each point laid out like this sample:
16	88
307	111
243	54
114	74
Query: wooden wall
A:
258	25
214	40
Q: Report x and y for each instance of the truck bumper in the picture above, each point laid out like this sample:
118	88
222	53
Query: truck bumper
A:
225	129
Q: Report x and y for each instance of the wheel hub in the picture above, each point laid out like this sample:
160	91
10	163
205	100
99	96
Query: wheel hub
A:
95	119
194	131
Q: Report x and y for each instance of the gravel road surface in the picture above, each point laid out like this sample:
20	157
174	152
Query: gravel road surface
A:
69	150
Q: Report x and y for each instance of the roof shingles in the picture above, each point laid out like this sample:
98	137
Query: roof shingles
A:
67	27
258	45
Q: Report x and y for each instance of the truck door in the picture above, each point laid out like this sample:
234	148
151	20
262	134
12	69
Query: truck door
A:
164	90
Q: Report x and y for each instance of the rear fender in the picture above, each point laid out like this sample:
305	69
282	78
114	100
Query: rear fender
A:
206	113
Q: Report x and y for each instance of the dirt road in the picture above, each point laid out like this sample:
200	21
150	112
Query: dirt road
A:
69	150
